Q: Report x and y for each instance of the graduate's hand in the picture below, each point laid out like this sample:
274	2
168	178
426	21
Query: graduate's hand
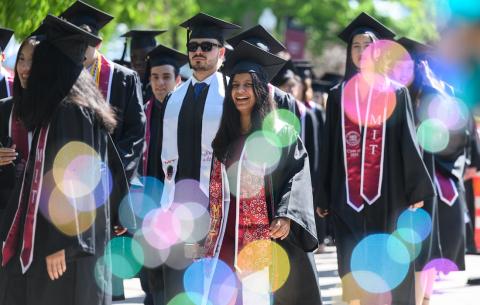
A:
279	228
118	230
56	265
417	205
470	173
7	155
321	212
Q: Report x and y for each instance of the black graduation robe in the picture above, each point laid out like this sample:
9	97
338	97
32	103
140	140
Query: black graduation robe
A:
129	135
473	160
154	165
286	101
7	173
405	182
288	194
430	247
78	286
3	88
451	162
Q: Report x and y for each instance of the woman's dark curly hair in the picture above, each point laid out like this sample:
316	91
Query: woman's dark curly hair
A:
230	127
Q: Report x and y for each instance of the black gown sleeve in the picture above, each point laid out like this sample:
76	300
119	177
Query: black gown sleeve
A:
417	181
129	136
322	182
293	194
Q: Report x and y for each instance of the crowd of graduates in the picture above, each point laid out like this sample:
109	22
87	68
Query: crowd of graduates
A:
220	187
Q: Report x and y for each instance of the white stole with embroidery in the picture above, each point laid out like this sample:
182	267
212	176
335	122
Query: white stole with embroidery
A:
210	123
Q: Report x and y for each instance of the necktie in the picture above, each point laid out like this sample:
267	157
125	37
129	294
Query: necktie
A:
197	88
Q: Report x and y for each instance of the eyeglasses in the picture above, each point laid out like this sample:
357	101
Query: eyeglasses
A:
206	46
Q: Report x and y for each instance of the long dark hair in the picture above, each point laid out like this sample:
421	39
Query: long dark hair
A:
53	77
350	68
17	87
230	127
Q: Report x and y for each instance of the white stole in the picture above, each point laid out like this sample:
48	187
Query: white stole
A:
210	123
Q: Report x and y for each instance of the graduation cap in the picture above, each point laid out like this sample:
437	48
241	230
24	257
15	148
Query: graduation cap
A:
81	13
366	22
326	82
304	68
249	58
206	26
71	40
415	48
260	37
163	55
143	38
287	72
5	36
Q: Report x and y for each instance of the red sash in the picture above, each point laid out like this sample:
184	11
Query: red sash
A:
31	207
148	114
19	136
102	71
446	188
253	221
363	153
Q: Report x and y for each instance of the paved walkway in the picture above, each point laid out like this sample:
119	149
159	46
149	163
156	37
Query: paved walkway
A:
449	290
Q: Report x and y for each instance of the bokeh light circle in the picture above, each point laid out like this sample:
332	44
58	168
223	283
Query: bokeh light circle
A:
414	226
389	58
126	257
262	155
380	263
188	298
443	265
284	124
160	229
351	287
77	169
261	254
432	135
214	275
383	101
151	257
66	217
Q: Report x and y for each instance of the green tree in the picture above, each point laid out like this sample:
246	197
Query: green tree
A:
322	19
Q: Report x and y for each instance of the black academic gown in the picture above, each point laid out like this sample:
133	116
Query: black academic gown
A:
3	88
127	101
7	173
473	160
288	194
451	162
284	100
154	165
81	283
405	182
430	247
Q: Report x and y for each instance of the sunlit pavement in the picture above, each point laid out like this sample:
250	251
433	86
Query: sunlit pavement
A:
448	290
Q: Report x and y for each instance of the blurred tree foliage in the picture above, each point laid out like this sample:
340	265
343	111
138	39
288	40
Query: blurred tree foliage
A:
322	19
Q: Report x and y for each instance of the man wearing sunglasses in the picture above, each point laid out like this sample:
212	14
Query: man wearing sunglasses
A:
191	120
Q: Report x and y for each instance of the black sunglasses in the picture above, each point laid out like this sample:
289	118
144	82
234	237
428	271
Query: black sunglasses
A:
206	46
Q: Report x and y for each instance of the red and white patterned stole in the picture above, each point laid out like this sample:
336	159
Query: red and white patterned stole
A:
31	207
363	152
216	208
446	188
148	114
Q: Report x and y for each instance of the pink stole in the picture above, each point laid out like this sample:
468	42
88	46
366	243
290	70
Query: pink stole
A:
363	151
31	207
148	114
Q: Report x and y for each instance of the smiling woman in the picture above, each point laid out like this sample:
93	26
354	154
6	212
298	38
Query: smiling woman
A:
254	230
